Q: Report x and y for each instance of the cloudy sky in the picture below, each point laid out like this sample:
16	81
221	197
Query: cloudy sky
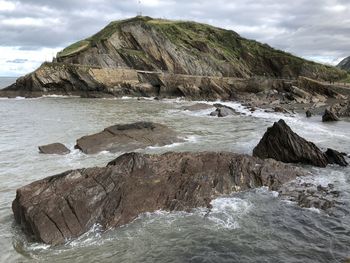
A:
32	31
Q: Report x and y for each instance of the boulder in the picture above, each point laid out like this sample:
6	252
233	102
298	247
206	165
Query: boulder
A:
223	110
54	148
282	144
308	114
61	207
335	157
127	137
329	116
341	109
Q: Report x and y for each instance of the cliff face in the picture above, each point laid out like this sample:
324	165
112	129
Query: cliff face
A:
344	64
190	48
180	59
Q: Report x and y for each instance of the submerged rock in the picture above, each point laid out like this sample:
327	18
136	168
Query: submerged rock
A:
198	107
329	116
282	144
127	137
64	206
335	157
54	148
223	111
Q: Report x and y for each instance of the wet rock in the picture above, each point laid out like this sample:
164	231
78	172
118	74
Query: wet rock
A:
341	109
127	137
64	206
281	109
282	144
335	157
223	111
308	114
329	116
54	148
308	195
198	107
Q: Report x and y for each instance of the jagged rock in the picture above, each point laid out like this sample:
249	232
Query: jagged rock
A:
329	116
282	144
335	157
223	110
308	114
341	109
127	137
198	107
64	206
308	195
54	148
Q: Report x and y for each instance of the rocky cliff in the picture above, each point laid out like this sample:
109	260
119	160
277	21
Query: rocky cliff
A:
119	60
344	64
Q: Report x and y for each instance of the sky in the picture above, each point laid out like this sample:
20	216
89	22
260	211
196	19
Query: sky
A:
33	31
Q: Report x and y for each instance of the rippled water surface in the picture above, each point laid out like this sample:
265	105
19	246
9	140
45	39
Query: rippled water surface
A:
254	226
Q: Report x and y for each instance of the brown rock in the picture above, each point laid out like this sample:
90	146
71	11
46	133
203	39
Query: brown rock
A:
329	116
54	148
335	157
64	206
282	144
127	137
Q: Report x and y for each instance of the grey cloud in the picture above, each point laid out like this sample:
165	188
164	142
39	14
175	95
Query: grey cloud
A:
310	28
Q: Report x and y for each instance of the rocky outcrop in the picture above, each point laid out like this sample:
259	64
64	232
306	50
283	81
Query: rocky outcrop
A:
335	157
329	116
317	88
127	137
54	148
341	109
344	64
130	57
308	195
282	144
223	111
64	206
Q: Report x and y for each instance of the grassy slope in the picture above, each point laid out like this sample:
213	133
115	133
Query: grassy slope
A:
189	35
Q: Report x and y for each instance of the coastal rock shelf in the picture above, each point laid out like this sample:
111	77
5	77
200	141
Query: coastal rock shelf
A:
64	206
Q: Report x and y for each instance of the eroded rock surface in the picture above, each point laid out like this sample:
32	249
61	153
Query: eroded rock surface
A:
329	116
127	137
54	148
282	144
65	206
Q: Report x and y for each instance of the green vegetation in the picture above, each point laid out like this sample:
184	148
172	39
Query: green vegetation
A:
222	47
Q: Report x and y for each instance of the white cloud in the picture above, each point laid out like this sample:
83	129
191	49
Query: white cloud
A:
16	62
7	6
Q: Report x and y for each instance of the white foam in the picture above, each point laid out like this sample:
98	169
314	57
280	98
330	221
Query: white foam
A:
227	211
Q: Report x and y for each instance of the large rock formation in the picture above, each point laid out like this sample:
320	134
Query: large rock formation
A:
282	144
344	64
329	116
64	206
127	137
145	57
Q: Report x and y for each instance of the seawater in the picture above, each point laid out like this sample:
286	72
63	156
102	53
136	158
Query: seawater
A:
254	226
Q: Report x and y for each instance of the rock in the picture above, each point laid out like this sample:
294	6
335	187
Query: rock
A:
308	114
127	137
341	109
54	148
223	110
329	116
280	109
197	107
64	206
308	195
335	157
282	144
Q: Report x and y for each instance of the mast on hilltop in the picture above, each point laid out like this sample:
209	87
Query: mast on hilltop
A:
139	12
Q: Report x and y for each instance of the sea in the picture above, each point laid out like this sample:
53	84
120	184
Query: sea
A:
252	226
